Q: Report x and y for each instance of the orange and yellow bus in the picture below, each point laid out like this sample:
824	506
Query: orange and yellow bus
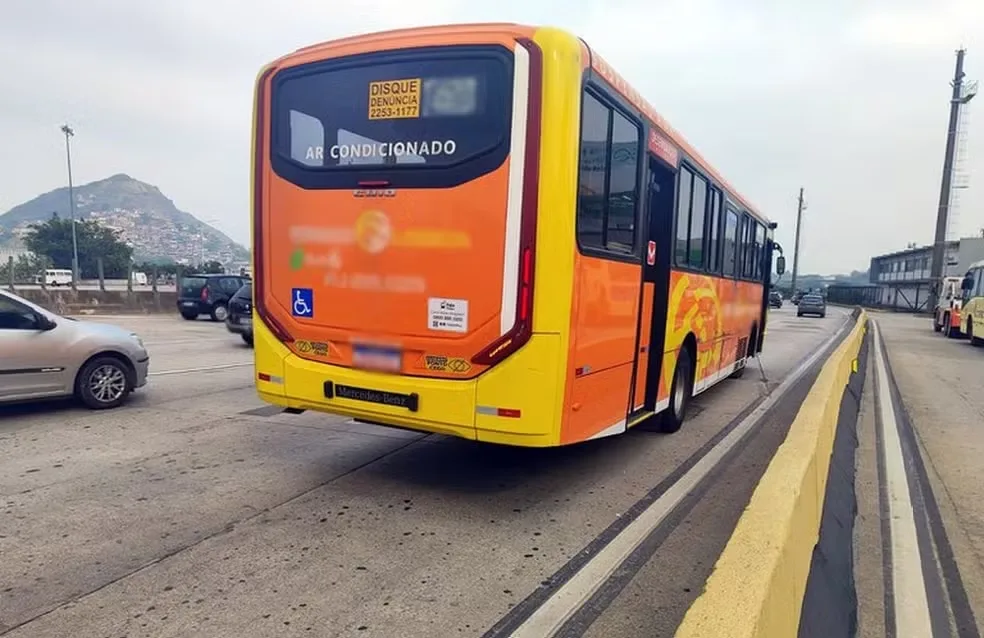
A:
483	231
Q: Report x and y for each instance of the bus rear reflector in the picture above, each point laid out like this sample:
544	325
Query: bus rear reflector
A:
269	378
509	413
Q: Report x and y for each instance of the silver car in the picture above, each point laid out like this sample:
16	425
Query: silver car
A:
44	355
812	305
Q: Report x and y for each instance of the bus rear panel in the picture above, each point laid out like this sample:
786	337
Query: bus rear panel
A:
394	233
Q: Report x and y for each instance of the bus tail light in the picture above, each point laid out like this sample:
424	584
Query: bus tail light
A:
526	285
522	329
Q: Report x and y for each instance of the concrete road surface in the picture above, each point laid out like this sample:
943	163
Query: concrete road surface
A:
922	541
196	510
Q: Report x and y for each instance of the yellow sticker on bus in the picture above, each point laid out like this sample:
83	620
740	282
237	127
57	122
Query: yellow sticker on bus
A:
394	99
446	364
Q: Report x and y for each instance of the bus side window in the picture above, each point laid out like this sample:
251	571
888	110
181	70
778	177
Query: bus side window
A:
729	252
751	249
623	186
684	189
608	189
740	246
698	210
762	267
592	198
714	229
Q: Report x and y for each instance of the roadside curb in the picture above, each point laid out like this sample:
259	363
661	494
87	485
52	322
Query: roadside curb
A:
759	582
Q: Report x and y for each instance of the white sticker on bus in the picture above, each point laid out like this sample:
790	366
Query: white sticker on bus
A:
383	149
449	315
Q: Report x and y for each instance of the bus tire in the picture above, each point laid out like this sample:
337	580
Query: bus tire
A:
974	339
681	392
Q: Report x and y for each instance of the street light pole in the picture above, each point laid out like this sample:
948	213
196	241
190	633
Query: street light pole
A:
800	207
958	98
69	133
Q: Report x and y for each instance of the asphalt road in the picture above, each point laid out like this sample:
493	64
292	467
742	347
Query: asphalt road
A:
197	510
939	413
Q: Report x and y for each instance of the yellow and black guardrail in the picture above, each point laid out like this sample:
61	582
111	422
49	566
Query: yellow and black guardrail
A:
760	581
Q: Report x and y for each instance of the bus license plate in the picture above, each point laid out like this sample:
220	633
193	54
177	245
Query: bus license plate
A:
375	357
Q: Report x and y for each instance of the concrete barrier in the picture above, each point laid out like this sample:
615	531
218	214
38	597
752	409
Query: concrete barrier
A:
109	302
758	584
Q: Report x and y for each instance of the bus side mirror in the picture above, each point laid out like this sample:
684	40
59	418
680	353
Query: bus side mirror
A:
780	265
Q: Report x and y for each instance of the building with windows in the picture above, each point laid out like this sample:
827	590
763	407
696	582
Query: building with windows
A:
904	278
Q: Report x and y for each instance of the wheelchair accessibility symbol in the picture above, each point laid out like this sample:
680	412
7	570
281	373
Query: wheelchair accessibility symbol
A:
302	302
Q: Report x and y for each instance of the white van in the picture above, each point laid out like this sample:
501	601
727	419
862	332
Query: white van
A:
55	277
140	278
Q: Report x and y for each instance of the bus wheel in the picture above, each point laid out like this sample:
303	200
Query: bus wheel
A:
974	339
681	391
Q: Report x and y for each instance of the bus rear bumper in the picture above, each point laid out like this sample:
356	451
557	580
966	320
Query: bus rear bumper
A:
514	403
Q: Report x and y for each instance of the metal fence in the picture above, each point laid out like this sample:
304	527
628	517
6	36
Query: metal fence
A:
910	297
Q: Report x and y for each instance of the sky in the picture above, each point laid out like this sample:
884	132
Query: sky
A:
848	99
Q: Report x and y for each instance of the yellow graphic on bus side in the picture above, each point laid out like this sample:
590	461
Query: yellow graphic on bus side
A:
394	99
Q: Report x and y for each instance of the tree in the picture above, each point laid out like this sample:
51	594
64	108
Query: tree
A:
164	267
26	268
53	239
209	267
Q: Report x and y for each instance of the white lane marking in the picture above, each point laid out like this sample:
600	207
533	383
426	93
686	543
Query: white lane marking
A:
224	366
911	602
573	594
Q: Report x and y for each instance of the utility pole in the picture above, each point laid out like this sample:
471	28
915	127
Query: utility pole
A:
957	100
800	207
69	133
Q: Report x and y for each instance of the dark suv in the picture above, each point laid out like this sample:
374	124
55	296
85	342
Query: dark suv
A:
240	319
207	295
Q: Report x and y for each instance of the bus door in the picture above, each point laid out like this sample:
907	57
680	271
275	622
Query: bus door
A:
657	248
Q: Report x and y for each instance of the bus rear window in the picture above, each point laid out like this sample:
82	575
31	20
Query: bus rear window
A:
423	108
